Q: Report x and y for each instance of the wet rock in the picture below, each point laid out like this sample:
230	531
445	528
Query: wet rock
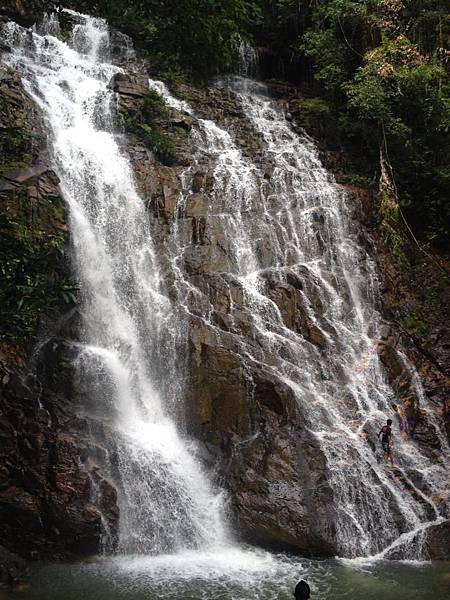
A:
130	91
21	132
209	251
196	205
38	187
432	543
166	194
282	499
389	356
285	290
219	388
408	394
13	570
24	13
273	468
438	541
220	105
198	182
49	468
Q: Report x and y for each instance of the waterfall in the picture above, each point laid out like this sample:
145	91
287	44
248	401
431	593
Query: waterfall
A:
280	218
285	217
247	58
343	405
166	502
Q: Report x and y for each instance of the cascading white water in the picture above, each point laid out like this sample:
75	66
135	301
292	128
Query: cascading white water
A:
280	217
283	216
166	502
247	58
312	217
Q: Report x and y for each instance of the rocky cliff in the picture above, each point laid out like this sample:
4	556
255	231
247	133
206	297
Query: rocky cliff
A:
58	493
276	473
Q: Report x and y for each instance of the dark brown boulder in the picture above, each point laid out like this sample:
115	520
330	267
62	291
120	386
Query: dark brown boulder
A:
50	468
130	91
274	470
438	541
24	13
13	570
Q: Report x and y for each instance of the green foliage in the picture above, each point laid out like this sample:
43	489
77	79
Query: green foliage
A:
415	324
391	231
315	107
359	180
314	114
329	55
154	105
196	35
406	94
34	277
14	144
381	64
143	124
155	139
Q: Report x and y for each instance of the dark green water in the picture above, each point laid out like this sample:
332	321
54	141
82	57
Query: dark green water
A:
235	575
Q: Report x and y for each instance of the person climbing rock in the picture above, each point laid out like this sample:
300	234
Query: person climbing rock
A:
302	590
403	421
386	441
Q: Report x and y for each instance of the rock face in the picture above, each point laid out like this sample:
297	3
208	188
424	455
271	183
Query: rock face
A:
13	569
58	496
437	541
32	220
415	295
21	135
246	416
53	498
23	13
249	420
274	470
416	300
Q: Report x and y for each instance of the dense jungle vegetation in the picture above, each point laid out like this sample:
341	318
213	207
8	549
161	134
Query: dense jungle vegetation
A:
374	71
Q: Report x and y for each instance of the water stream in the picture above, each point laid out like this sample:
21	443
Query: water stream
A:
283	216
166	501
298	222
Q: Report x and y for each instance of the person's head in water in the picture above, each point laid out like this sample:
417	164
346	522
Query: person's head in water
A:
302	591
389	422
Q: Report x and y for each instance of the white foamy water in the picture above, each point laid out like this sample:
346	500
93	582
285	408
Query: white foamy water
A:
289	218
166	502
